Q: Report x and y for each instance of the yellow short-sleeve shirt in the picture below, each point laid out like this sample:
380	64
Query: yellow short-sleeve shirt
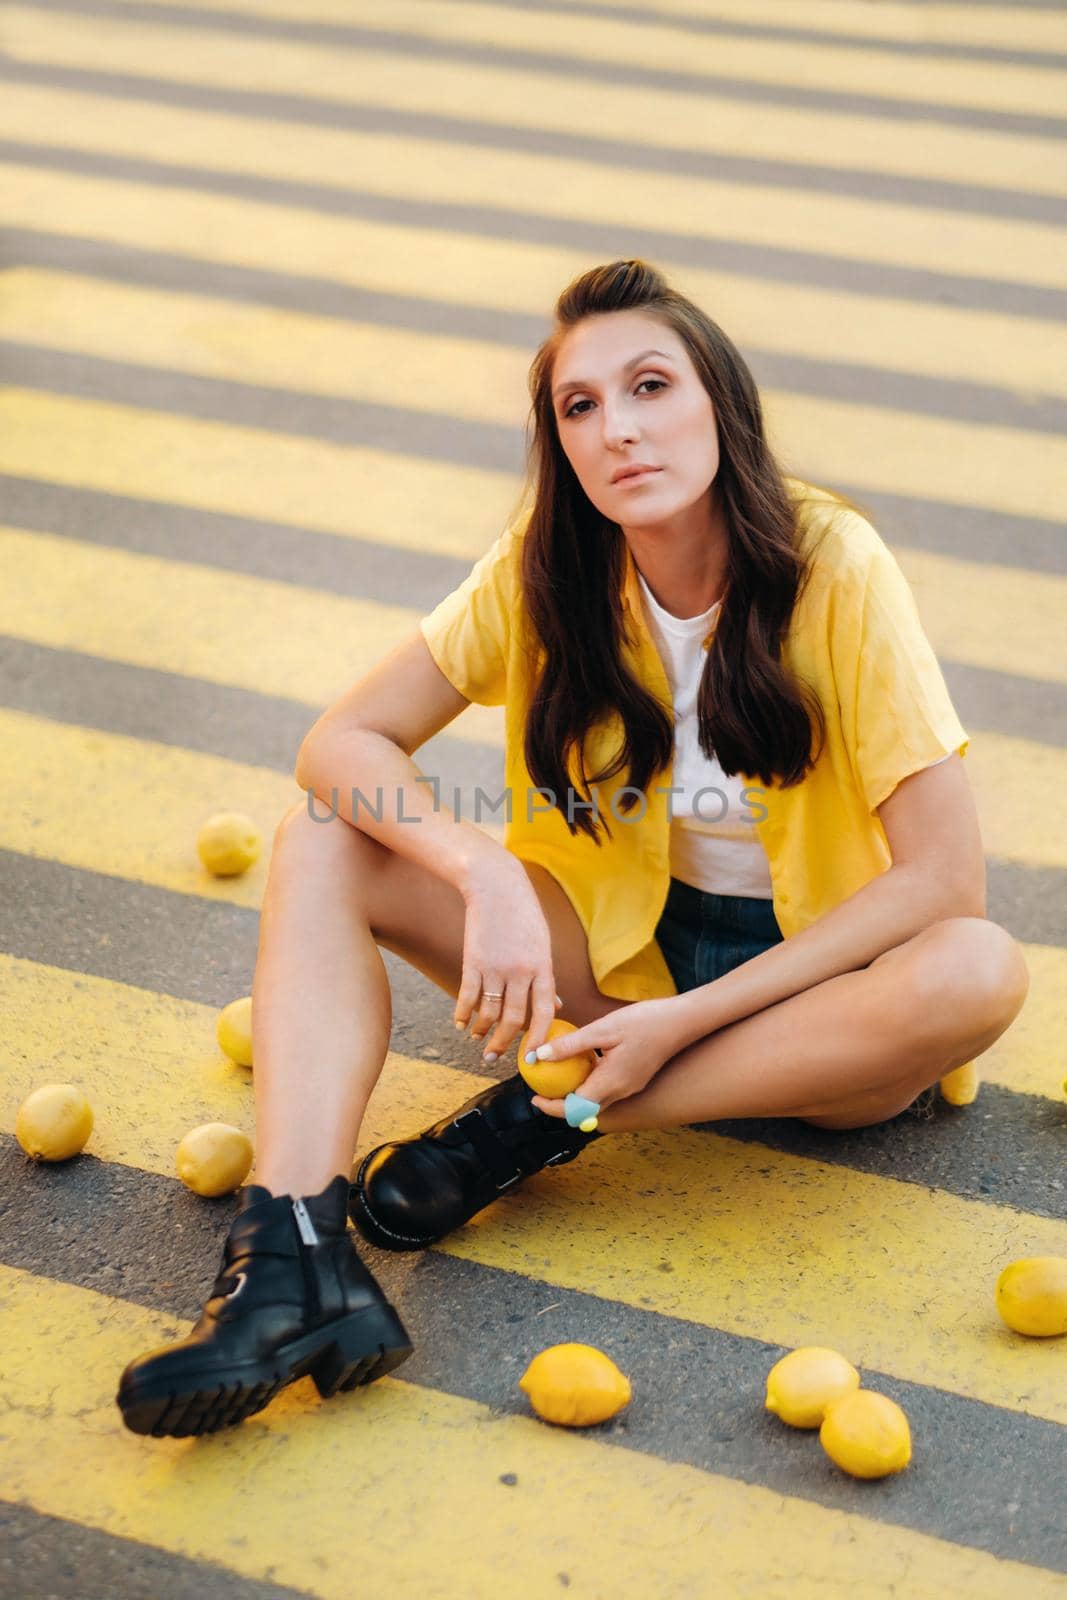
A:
855	637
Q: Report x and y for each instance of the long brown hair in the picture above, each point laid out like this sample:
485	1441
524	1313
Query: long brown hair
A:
752	714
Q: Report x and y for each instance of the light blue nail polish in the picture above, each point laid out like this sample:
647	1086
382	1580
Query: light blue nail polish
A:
490	1056
530	1057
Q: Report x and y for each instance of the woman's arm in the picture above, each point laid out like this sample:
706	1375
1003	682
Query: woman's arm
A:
366	741
937	871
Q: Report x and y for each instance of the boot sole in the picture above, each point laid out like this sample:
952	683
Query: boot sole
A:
357	1351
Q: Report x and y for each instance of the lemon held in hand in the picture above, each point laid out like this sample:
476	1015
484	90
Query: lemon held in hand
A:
575	1385
1032	1296
54	1122
866	1434
555	1079
802	1384
228	843
234	1031
214	1159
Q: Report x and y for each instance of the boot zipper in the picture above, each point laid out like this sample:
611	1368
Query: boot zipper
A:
304	1223
306	1229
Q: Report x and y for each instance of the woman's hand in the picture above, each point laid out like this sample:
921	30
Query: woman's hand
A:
507	950
632	1043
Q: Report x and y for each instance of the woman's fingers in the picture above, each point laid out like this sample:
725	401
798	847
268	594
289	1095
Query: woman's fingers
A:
502	1006
541	1004
497	994
538	999
469	989
475	998
578	1043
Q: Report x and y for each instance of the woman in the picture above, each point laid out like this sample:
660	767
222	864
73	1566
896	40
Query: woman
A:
800	933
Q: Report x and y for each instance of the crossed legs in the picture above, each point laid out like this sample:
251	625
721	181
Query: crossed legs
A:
851	1051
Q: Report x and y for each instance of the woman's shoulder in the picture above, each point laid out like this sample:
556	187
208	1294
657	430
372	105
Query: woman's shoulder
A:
838	541
499	567
506	549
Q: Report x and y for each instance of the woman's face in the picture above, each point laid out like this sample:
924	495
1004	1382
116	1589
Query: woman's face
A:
618	402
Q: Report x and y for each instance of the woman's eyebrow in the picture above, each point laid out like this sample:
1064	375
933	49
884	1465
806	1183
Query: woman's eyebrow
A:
583	383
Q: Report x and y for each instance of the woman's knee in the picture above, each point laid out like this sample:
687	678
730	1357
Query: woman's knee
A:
971	969
304	839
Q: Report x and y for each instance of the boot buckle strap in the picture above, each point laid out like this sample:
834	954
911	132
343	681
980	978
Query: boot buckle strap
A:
503	1170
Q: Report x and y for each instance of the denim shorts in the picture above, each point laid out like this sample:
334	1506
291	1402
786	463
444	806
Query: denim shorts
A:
703	935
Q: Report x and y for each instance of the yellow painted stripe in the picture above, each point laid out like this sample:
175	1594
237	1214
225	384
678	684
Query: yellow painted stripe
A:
256	472
991	616
150	799
794	319
149	1064
511	96
897	1276
342	1474
256	633
1013	27
568	190
1018	785
655	44
437	375
121	1044
134	819
128	807
814	65
525	278
225	627
434	507
219	338
1029	1057
851	143
897	452
279	638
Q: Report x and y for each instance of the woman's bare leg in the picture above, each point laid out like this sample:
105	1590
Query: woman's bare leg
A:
321	1001
852	1051
321	1007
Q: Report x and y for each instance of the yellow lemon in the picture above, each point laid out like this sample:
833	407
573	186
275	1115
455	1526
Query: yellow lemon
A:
575	1385
54	1122
960	1086
803	1384
866	1434
228	843
555	1079
214	1159
234	1031
1032	1295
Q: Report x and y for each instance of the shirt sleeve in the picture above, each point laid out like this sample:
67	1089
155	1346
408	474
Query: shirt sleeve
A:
897	715
469	632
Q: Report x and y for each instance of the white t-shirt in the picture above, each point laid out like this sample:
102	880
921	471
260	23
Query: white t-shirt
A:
712	846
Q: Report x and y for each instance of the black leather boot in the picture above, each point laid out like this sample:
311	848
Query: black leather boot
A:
292	1297
410	1193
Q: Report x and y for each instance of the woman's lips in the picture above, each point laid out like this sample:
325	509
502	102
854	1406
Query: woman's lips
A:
637	477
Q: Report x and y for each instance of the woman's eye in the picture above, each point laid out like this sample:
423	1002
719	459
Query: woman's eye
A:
573	410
